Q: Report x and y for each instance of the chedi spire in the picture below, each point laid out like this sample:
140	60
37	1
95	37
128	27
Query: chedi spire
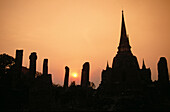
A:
124	46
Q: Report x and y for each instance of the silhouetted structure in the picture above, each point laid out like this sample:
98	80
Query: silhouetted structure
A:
33	58
85	75
40	92
125	65
124	86
125	72
107	67
163	76
16	77
66	79
45	67
18	62
143	65
145	74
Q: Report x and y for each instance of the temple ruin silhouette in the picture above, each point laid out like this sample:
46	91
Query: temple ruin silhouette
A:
66	80
124	86
125	72
85	75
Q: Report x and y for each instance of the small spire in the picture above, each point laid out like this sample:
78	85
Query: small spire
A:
143	66
107	67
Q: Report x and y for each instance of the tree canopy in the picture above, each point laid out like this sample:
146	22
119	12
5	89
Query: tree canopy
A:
6	62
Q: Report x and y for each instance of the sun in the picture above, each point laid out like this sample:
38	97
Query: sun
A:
74	75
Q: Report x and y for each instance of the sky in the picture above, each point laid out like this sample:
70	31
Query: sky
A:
72	32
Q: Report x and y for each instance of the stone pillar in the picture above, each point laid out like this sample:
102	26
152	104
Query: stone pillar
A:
66	79
85	75
45	67
16	75
18	63
163	76
33	58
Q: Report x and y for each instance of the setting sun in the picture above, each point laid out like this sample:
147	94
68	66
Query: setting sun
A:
75	75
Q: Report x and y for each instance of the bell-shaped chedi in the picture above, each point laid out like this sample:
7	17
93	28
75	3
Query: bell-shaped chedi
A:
125	73
125	66
124	58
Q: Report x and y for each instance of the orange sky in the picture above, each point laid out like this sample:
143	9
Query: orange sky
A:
71	32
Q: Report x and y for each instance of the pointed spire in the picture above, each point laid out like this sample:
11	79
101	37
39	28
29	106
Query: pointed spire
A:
124	46
123	28
107	67
143	66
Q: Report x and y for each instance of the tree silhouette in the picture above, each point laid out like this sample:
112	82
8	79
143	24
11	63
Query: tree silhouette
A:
6	62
